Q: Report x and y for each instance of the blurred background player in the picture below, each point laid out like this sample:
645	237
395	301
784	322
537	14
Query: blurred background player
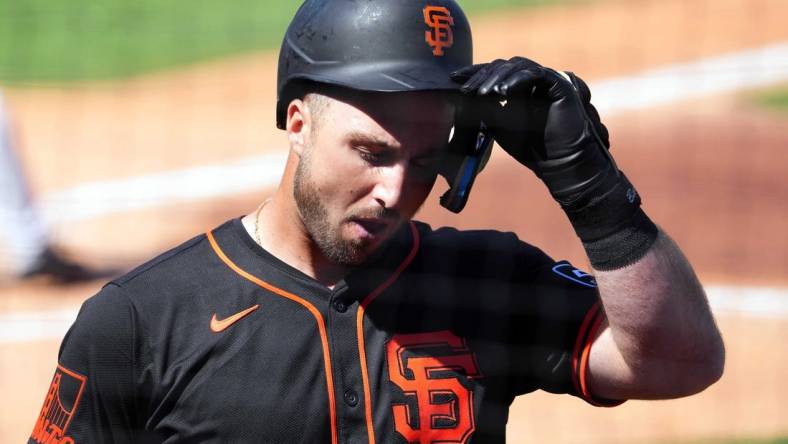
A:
27	250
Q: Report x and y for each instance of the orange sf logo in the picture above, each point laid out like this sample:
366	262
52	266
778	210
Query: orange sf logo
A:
438	407
440	36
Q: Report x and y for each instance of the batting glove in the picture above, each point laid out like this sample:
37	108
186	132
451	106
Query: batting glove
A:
547	122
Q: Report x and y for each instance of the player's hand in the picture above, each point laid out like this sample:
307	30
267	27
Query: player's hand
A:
547	123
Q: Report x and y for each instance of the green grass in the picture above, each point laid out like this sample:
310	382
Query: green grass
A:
61	41
773	98
67	40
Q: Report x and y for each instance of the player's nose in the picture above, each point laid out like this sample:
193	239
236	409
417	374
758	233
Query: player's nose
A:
389	189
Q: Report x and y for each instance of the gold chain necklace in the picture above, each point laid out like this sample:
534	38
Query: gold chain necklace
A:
257	221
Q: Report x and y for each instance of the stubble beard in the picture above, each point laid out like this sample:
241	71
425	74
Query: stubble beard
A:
314	216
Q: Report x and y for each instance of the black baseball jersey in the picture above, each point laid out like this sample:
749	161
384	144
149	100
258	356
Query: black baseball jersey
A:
219	341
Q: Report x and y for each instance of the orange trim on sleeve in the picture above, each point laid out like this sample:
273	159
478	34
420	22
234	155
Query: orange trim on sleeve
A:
360	328
582	335
321	325
583	369
582	353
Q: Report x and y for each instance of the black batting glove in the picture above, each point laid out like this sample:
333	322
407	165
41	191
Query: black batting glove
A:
546	122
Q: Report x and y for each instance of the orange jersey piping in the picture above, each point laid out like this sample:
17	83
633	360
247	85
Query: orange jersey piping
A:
589	330
583	369
360	328
582	338
321	325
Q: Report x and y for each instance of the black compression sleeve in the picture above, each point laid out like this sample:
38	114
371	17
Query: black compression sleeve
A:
613	228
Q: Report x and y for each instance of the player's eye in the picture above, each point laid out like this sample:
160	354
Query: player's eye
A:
427	162
375	156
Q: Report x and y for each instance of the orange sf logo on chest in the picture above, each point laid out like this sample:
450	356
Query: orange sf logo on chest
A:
428	368
440	36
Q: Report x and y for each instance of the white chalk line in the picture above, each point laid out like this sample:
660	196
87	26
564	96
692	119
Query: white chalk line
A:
727	73
731	72
94	199
750	302
31	326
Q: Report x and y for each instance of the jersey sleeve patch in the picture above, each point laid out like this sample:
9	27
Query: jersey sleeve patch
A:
60	404
567	271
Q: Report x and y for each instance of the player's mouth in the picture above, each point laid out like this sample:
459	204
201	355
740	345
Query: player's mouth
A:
370	228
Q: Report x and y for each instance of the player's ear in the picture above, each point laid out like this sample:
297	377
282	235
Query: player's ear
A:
299	123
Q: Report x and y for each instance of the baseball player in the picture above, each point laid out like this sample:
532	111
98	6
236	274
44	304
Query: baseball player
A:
329	315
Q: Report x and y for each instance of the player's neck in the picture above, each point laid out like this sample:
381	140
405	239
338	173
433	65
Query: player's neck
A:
276	227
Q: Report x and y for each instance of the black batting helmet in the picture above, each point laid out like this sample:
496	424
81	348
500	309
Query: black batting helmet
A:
373	45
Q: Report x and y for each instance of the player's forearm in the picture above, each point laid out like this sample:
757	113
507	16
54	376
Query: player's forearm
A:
660	322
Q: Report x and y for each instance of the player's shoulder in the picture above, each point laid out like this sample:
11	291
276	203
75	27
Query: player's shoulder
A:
173	273
494	241
478	252
169	298
168	264
152	284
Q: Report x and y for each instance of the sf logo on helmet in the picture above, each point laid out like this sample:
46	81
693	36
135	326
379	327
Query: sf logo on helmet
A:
440	36
433	371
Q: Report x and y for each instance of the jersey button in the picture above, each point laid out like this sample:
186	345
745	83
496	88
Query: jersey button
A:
351	398
340	306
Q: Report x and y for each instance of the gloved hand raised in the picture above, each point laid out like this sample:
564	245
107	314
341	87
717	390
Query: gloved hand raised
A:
547	123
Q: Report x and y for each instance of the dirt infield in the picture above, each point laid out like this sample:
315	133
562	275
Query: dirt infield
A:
710	172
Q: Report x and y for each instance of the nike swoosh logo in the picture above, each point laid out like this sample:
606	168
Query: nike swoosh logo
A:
218	326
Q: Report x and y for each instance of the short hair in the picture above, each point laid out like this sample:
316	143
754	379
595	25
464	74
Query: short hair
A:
318	104
317	96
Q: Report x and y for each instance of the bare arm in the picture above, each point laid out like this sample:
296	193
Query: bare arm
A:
661	340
